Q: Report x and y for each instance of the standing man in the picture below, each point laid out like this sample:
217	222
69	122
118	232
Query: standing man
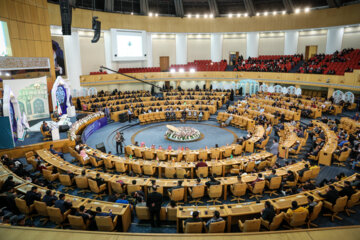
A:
154	201
119	138
129	115
274	149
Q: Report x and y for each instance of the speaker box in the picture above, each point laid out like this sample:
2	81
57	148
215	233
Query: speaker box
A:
123	117
65	12
96	26
101	147
64	128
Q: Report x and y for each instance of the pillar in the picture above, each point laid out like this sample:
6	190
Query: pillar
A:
73	59
216	47
148	51
181	48
334	39
330	92
291	42
107	46
252	44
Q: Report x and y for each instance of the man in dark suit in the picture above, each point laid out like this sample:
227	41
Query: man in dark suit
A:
32	196
154	201
331	194
62	204
49	198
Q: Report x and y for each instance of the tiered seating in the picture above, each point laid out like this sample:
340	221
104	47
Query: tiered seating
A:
139	70
269	63
334	64
200	66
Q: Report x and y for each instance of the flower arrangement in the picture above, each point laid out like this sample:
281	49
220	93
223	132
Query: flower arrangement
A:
183	134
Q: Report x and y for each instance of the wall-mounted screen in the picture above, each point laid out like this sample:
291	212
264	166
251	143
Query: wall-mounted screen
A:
128	45
5	47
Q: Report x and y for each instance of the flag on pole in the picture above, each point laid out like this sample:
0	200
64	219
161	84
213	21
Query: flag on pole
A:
58	108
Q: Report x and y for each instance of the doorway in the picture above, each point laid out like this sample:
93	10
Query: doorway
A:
310	51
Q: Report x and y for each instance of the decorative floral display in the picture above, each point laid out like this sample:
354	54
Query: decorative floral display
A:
183	134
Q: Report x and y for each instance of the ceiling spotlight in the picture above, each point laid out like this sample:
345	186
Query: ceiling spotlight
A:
150	14
192	70
156	14
230	15
206	16
132	13
7	74
283	12
197	15
189	15
211	15
246	14
297	10
307	10
274	13
265	13
181	70
257	14
238	15
172	70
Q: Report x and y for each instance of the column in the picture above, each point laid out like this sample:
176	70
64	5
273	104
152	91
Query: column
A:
73	59
107	45
252	44
334	39
216	47
291	42
330	92
149	55
181	48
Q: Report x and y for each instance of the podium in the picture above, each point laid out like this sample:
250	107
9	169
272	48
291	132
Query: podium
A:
55	133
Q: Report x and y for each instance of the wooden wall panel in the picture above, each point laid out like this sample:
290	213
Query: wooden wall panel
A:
22	31
13	29
38	48
36	32
3	9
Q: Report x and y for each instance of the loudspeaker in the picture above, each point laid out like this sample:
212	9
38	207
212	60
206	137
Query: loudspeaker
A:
123	117
64	128
101	147
65	12
96	26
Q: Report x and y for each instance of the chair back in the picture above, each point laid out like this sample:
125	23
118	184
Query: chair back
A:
238	150
133	188
340	204
93	186
129	151
55	215
227	152
306	176
316	211
41	208
315	172
190	157
161	156
275	183
298	219
259	187
138	152
77	222
104	223
344	155
202	171
217	227
239	189
180	172
116	187
217	170
354	200
142	213
203	155
21	205
108	163
194	227
148	169
65	180
120	167
262	165
197	191
252	225
136	168
171	214
215	191
82	182
170	172
250	166
149	154
179	156
177	194
215	153
276	222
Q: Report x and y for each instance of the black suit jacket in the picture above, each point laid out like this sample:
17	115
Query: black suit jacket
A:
154	201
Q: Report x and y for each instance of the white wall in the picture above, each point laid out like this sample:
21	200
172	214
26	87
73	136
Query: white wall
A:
237	44
318	39
163	47
271	45
351	40
92	54
191	84
198	49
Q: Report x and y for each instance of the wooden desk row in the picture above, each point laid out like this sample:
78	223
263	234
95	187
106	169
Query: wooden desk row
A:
288	139
161	116
250	113
237	121
123	210
81	124
350	125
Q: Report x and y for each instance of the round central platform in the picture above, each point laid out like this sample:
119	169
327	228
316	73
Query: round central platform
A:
182	134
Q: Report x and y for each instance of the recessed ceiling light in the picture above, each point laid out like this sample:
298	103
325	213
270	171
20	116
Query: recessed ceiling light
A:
283	12
211	15
246	14
156	14
197	15
206	16
238	15
189	15
257	14
230	15
297	10
265	13
274	13
150	14
307	9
